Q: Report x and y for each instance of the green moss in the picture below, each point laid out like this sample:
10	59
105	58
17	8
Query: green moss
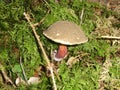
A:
17	40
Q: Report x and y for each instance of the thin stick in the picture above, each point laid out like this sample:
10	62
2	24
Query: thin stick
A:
5	75
111	37
41	47
25	77
39	23
81	16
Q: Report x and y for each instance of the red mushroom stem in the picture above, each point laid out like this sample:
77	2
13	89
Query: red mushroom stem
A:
62	52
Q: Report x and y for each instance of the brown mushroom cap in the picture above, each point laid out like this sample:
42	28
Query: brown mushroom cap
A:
65	32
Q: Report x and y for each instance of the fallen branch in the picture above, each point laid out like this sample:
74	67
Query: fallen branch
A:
41	47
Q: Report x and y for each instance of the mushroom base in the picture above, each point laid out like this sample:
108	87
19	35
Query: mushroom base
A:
61	53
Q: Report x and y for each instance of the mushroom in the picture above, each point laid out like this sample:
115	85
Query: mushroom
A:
65	33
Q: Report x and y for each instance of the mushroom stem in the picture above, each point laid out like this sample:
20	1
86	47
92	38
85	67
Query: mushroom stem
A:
62	52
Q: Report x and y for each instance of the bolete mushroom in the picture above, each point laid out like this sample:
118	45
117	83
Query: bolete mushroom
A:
65	33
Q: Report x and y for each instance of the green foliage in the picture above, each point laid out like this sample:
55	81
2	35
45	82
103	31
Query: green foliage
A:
78	77
20	35
114	71
96	48
60	12
3	54
16	68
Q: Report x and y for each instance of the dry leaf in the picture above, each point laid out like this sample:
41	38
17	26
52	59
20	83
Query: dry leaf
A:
33	80
71	61
19	81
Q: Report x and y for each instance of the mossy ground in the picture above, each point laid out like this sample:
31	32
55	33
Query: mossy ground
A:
97	62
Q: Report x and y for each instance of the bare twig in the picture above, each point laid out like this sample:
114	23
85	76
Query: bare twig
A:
39	23
25	77
37	37
43	51
7	79
81	16
110	37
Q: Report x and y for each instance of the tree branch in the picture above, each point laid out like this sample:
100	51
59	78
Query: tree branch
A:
41	47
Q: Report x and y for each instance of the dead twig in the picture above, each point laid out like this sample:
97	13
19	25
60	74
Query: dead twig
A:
110	37
7	79
81	16
39	23
43	51
25	77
